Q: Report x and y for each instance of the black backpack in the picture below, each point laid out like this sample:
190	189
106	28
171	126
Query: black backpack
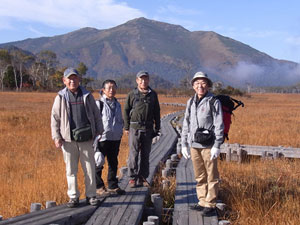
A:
100	104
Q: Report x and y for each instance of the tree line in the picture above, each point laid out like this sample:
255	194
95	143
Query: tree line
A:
20	69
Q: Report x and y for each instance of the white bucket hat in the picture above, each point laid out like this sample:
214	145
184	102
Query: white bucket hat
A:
201	75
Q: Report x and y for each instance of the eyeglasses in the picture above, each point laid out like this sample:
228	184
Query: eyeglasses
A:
110	88
200	83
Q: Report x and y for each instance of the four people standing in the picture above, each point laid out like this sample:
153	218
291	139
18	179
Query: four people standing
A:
76	121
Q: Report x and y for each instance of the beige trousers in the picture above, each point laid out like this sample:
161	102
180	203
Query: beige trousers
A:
72	153
206	175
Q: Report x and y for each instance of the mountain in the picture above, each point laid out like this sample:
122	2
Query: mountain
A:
169	51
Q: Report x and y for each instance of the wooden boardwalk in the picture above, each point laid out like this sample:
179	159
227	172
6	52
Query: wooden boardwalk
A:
128	209
186	196
237	152
125	209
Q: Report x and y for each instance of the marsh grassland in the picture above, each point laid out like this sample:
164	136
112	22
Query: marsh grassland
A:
259	192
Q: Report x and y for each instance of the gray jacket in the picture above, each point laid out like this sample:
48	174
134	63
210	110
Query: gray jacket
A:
207	118
60	115
113	124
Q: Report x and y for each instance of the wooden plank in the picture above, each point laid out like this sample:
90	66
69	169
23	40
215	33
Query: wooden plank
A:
132	217
195	218
181	201
99	218
136	205
212	220
191	184
59	214
119	208
112	204
181	215
258	150
181	187
185	181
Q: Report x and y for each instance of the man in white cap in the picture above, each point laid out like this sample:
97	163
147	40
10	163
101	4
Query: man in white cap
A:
75	122
202	132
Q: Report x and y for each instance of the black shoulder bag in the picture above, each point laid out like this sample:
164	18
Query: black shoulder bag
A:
203	136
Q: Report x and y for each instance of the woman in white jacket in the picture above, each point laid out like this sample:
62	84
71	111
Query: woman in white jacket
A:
109	143
203	132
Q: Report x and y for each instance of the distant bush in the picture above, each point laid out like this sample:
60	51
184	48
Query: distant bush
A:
229	91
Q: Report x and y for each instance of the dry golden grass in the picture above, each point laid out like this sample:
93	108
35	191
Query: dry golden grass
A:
261	192
32	169
267	119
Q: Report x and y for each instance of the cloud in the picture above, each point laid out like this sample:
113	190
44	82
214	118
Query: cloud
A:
245	72
273	74
35	31
69	13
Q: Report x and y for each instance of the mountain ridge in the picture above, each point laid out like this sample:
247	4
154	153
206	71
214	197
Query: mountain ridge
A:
169	51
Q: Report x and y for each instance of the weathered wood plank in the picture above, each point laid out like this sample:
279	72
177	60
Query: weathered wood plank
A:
195	218
212	220
59	214
186	197
272	151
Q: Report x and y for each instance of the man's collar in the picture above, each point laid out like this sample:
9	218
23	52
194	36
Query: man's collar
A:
144	91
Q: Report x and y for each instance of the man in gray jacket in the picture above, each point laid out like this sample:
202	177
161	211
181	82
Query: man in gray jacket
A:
203	132
75	122
109	143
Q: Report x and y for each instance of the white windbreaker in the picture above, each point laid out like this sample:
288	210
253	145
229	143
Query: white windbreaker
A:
207	118
112	124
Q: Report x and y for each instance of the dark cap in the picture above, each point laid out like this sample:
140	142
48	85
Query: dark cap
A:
70	71
142	73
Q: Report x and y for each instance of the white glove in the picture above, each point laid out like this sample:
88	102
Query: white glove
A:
99	159
96	140
214	152
185	153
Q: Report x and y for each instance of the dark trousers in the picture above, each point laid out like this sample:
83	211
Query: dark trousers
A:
110	149
140	142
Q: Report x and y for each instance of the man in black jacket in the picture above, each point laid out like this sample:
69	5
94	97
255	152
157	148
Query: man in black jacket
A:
141	123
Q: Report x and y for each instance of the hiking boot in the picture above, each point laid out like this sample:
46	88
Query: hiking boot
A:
142	182
73	202
92	201
132	183
209	211
197	207
102	192
116	191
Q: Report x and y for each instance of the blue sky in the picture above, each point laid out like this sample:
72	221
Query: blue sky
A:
270	26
